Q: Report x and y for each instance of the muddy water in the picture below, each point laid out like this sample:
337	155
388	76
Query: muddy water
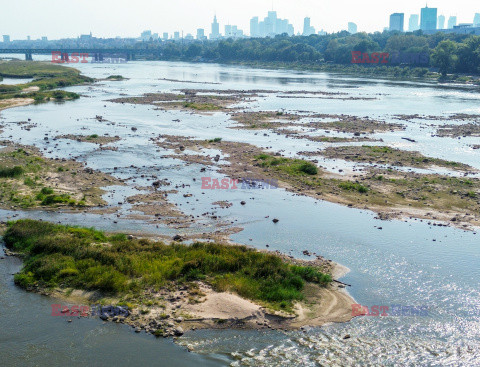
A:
411	263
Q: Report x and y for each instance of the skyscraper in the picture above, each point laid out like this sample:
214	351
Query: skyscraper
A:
441	22
201	34
352	28
270	26
215	29
397	21
254	28
476	20
307	28
228	30
452	22
413	23
6	38
428	19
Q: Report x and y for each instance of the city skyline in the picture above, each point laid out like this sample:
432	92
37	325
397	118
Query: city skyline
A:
111	20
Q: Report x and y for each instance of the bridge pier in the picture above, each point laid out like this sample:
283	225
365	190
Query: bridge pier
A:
64	57
28	56
98	57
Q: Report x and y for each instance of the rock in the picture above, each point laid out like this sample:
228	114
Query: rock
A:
134	129
347	336
178	331
179	319
243	202
275	220
177	237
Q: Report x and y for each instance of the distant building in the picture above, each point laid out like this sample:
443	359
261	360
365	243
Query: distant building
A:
397	21
352	28
86	37
476	20
270	26
44	38
452	22
464	28
146	35
215	29
322	33
28	38
165	36
6	38
176	36
307	28
413	23
441	22
189	37
428	19
201	34
254	27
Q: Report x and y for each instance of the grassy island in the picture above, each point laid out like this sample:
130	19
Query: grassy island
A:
83	258
46	78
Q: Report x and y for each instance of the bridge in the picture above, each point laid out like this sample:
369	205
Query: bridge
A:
97	53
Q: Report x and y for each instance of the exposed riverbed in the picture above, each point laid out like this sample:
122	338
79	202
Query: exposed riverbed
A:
412	263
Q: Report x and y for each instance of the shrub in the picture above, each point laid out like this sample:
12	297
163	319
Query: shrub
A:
353	186
308	168
14	172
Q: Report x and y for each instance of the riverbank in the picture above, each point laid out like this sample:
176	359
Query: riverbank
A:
29	180
173	288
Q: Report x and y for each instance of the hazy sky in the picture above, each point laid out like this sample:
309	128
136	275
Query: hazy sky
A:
110	18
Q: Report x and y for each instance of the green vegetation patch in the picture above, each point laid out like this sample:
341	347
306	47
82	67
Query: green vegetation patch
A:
287	165
84	258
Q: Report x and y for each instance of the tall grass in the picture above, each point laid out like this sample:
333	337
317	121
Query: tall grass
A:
84	258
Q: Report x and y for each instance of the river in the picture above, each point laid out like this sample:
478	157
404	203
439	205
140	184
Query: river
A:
408	263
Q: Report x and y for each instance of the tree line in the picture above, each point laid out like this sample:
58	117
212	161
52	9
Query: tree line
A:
450	53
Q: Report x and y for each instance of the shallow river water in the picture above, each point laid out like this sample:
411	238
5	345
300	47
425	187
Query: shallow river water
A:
407	263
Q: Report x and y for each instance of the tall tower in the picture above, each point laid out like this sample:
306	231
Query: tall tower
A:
215	29
428	19
476	20
397	21
441	22
452	22
413	24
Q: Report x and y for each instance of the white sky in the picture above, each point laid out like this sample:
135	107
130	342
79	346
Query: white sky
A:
127	18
